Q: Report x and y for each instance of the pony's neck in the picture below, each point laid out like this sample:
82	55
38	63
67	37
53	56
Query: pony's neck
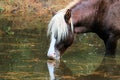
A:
72	4
83	13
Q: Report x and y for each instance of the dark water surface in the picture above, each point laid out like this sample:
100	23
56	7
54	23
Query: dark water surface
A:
23	55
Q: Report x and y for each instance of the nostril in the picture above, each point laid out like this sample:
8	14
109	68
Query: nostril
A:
53	55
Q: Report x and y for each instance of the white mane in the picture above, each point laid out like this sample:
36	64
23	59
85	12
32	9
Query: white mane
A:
58	27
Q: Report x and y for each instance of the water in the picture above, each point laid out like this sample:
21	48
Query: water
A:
23	49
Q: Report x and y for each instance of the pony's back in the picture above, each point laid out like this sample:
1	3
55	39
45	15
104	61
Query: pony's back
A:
112	20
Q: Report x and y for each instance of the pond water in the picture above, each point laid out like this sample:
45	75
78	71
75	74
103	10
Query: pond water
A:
23	52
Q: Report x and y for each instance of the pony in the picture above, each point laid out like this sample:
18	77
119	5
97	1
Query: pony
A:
82	16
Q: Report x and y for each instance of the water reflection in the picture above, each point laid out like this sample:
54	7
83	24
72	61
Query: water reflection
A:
58	70
107	70
23	51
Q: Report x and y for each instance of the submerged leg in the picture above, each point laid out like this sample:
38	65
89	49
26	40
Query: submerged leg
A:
110	44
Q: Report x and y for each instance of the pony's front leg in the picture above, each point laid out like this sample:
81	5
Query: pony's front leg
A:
110	44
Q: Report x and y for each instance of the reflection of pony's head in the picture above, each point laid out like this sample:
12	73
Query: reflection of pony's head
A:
58	70
60	28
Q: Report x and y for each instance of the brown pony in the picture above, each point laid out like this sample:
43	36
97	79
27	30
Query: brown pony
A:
81	16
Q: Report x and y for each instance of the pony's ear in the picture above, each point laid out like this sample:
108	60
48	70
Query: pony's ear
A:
67	15
53	12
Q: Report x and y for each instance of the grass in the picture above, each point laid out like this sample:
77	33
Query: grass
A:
20	7
33	7
22	14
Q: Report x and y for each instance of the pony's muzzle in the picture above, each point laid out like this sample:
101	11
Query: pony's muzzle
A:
52	56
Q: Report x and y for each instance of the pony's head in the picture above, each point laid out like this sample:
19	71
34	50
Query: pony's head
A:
60	29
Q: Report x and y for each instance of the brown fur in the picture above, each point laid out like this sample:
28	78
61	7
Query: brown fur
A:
101	17
98	16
